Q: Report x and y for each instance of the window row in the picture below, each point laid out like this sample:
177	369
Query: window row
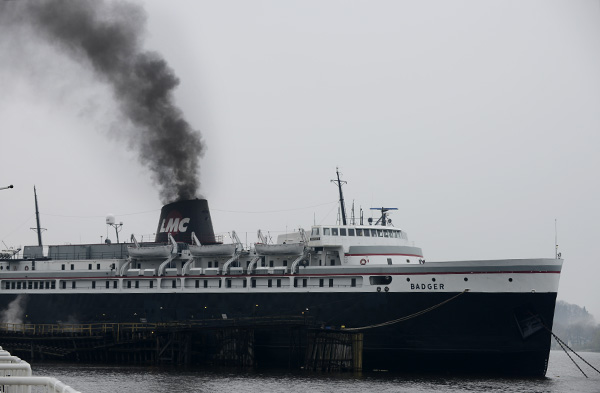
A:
326	282
365	232
199	283
30	285
63	266
89	284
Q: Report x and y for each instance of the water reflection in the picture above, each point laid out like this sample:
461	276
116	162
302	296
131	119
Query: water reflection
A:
562	376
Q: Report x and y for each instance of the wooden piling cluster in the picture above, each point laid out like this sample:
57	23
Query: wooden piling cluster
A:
334	351
243	343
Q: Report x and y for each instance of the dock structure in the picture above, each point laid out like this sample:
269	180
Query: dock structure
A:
268	342
334	351
16	377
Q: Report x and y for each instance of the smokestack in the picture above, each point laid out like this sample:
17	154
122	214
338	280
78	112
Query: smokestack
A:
182	218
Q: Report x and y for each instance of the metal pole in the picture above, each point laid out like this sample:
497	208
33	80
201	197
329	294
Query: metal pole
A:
339	184
37	218
555	240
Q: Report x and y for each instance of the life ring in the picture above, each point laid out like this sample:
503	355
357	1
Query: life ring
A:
363	261
26	267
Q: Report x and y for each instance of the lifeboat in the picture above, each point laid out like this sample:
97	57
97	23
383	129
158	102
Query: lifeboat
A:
138	251
279	249
212	250
150	252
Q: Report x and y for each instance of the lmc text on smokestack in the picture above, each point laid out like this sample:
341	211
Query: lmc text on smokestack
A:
181	218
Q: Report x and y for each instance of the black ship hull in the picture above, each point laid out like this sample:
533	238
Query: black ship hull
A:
473	333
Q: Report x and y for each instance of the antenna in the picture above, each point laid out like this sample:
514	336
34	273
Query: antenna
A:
110	220
555	240
38	228
339	184
384	210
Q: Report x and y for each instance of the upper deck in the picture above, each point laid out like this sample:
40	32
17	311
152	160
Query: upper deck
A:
359	240
356	234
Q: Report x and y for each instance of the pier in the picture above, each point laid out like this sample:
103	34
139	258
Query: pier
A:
267	342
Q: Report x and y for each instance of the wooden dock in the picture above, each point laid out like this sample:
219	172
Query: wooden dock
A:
248	343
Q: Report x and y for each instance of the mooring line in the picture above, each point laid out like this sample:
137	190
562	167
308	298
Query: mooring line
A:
563	345
406	318
559	341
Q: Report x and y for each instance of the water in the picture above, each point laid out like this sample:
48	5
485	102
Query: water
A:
562	376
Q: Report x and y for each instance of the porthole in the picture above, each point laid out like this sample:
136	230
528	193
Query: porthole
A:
466	279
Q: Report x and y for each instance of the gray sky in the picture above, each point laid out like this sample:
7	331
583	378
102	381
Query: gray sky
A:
480	121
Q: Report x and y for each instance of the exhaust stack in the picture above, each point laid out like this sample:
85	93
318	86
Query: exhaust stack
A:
182	218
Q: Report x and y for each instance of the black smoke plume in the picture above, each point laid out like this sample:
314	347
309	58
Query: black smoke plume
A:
108	37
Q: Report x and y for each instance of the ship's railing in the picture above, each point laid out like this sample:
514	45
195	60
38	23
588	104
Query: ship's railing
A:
84	256
21	369
25	385
80	329
15	377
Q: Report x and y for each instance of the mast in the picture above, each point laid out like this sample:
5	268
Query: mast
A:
339	184
37	219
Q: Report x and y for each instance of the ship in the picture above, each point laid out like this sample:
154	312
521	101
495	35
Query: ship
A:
475	316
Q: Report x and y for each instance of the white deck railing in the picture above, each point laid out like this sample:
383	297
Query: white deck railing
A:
15	377
10	359
24	385
22	369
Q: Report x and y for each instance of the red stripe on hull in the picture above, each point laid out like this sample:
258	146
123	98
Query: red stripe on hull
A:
372	255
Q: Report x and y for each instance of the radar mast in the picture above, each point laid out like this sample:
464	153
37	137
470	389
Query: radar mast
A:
383	219
339	184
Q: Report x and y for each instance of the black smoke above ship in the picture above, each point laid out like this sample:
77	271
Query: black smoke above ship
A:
107	38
